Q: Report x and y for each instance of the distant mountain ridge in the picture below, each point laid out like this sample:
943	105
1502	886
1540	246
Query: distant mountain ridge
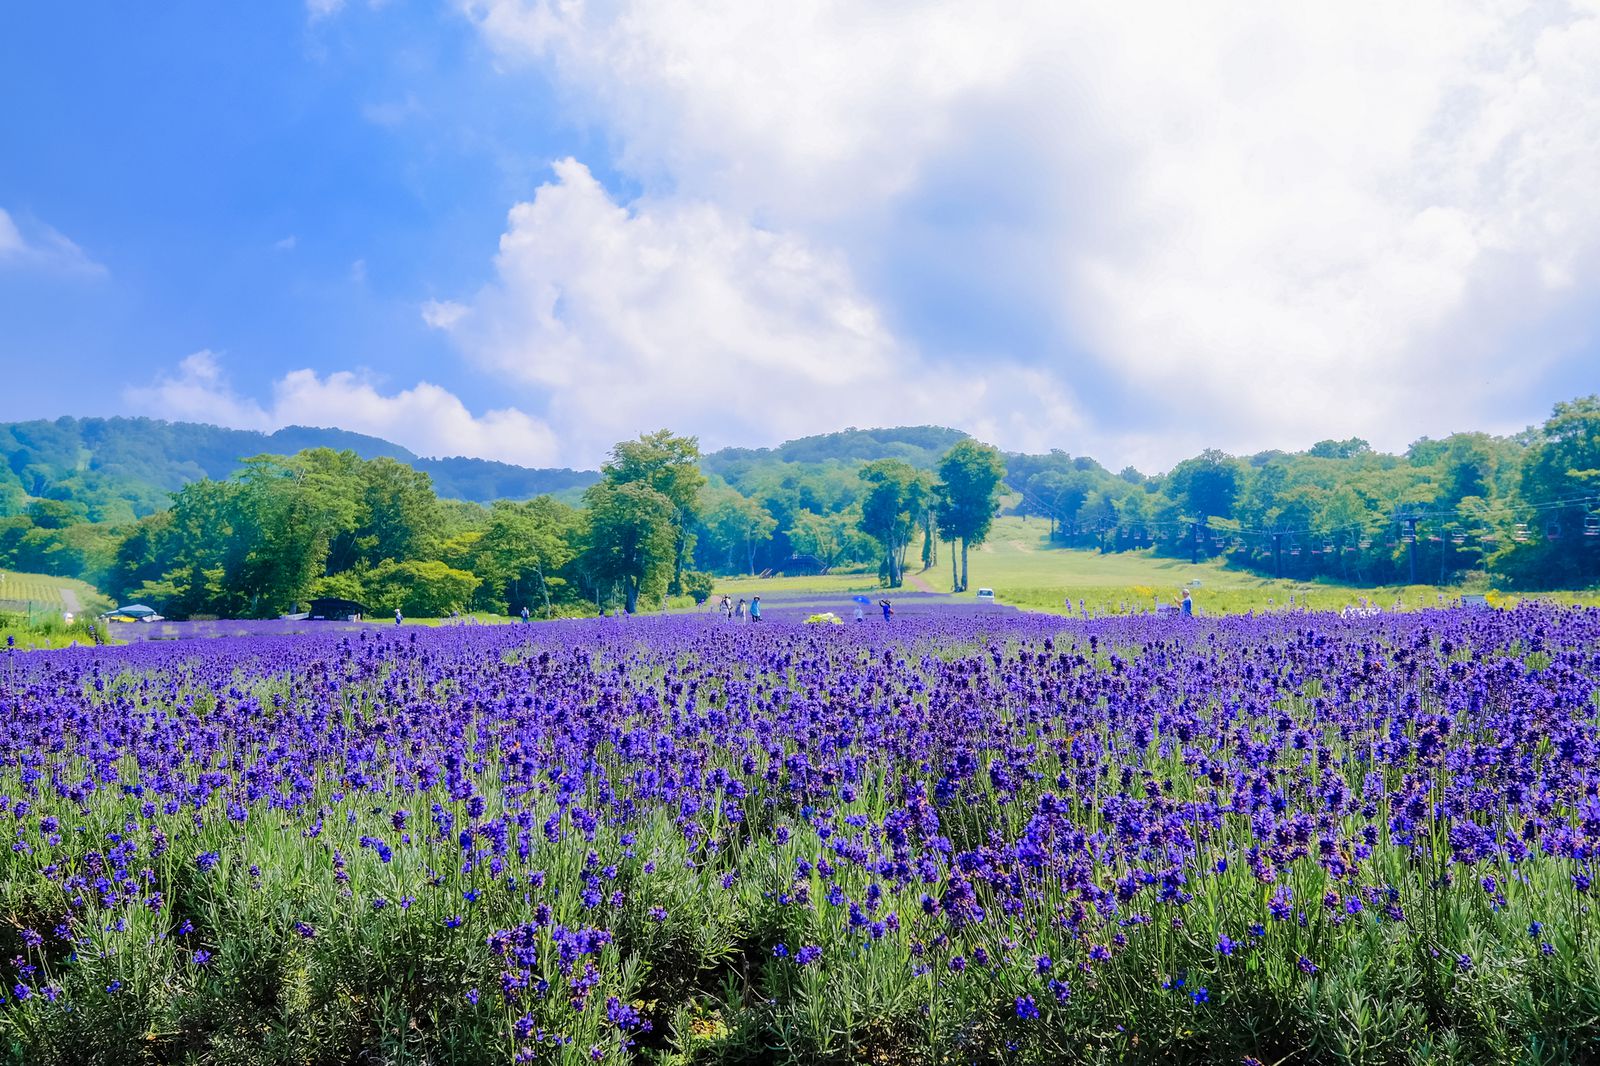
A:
121	468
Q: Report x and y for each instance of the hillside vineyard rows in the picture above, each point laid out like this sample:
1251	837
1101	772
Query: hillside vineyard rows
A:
953	838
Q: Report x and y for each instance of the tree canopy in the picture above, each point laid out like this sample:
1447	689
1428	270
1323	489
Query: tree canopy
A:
257	536
968	494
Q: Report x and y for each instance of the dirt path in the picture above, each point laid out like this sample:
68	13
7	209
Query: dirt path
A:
919	584
69	600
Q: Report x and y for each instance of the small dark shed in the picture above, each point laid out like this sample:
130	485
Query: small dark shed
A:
332	608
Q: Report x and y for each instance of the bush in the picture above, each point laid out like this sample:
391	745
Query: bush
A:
424	589
698	584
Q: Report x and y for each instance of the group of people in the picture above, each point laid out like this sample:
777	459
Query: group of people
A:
738	612
883	605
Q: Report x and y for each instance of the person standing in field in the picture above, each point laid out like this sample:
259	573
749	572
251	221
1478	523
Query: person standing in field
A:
397	618
859	616
524	615
738	611
888	610
755	609
1187	606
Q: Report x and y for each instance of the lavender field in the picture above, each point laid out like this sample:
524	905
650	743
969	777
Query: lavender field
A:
953	838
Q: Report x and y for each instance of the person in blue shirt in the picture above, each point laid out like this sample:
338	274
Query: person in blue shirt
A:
888	610
1188	605
755	609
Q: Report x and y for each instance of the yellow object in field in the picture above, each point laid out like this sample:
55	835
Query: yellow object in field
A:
826	618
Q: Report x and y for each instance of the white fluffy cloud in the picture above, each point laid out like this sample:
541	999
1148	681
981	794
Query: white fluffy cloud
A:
42	247
673	313
425	418
199	392
1291	221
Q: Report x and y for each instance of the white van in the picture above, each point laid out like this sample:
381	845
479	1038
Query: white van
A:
986	594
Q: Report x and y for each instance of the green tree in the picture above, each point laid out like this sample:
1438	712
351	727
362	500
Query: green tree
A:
522	550
631	539
288	513
829	537
194	552
399	517
894	492
378	509
738	523
1206	485
53	514
1560	488
1058	494
422	588
969	493
671	466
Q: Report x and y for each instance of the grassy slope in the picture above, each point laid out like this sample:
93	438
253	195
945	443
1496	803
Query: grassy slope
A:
44	592
31	606
1023	570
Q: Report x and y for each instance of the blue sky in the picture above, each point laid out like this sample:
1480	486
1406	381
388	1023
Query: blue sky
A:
526	230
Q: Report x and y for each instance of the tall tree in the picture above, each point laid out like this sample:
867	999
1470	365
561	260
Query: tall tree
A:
670	465
521	549
969	492
632	531
1058	494
399	511
828	537
288	513
1206	485
1560	487
198	551
894	493
740	524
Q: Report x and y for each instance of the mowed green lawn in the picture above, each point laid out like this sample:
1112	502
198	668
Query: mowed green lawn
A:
763	586
1024	570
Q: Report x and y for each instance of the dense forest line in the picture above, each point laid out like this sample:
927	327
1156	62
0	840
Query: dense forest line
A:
660	518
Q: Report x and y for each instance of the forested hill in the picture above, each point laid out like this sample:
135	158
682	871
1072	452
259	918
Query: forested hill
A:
76	496
118	469
921	446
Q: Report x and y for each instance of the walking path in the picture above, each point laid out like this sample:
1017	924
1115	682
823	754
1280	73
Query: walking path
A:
69	600
919	584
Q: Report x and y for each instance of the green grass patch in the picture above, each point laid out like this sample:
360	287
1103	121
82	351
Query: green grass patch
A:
1026	570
